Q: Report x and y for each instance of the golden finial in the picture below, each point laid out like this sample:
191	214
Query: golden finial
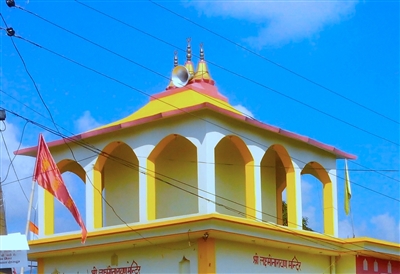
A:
201	52
175	58
188	50
202	74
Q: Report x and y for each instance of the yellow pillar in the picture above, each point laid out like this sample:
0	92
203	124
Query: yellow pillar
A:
279	217
48	213
151	191
97	199
329	210
293	192
206	255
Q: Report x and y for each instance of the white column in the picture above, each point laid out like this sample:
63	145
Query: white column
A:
89	194
257	154
143	153
206	175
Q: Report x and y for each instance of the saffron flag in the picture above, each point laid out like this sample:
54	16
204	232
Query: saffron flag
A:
347	190
33	228
48	176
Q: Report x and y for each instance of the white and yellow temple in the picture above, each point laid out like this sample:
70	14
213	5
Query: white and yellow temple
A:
189	184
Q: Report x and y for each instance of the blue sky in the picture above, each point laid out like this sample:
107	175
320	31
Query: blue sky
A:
348	47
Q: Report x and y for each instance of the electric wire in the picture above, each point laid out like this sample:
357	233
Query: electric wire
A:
378	171
100	45
93	43
248	79
12	160
239	212
102	74
140	91
59	133
272	62
119	55
203	162
140	169
11	35
129	86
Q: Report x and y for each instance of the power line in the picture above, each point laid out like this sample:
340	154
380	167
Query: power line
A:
100	152
127	85
131	87
272	62
223	68
366	169
255	82
156	178
141	170
106	48
244	77
93	43
12	160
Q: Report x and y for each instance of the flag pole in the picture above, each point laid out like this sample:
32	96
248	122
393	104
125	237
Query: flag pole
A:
29	215
29	209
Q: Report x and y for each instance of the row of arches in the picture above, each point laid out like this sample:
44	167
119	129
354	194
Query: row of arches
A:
173	178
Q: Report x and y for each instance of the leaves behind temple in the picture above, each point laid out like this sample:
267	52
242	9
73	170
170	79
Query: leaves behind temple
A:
285	218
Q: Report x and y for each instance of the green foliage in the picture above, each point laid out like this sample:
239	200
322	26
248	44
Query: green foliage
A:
285	218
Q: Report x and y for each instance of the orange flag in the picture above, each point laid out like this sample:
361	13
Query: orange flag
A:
33	228
48	176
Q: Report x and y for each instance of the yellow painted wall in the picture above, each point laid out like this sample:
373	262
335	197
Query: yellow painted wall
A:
152	259
121	187
178	160
268	186
235	257
346	264
229	178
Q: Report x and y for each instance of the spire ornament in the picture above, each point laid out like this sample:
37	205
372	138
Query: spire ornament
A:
171	84
188	50
175	58
201	52
188	63
202	74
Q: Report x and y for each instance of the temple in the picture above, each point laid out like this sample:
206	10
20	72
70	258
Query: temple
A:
189	184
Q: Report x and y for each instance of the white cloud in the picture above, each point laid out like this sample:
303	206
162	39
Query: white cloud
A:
244	110
281	22
383	227
346	229
386	228
86	122
16	202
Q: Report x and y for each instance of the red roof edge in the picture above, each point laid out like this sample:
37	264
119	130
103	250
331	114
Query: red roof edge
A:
339	153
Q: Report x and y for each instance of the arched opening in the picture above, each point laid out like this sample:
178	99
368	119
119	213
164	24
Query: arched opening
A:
117	176
312	203
173	187
276	170
234	178
320	192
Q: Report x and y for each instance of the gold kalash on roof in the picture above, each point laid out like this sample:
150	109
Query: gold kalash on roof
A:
183	75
